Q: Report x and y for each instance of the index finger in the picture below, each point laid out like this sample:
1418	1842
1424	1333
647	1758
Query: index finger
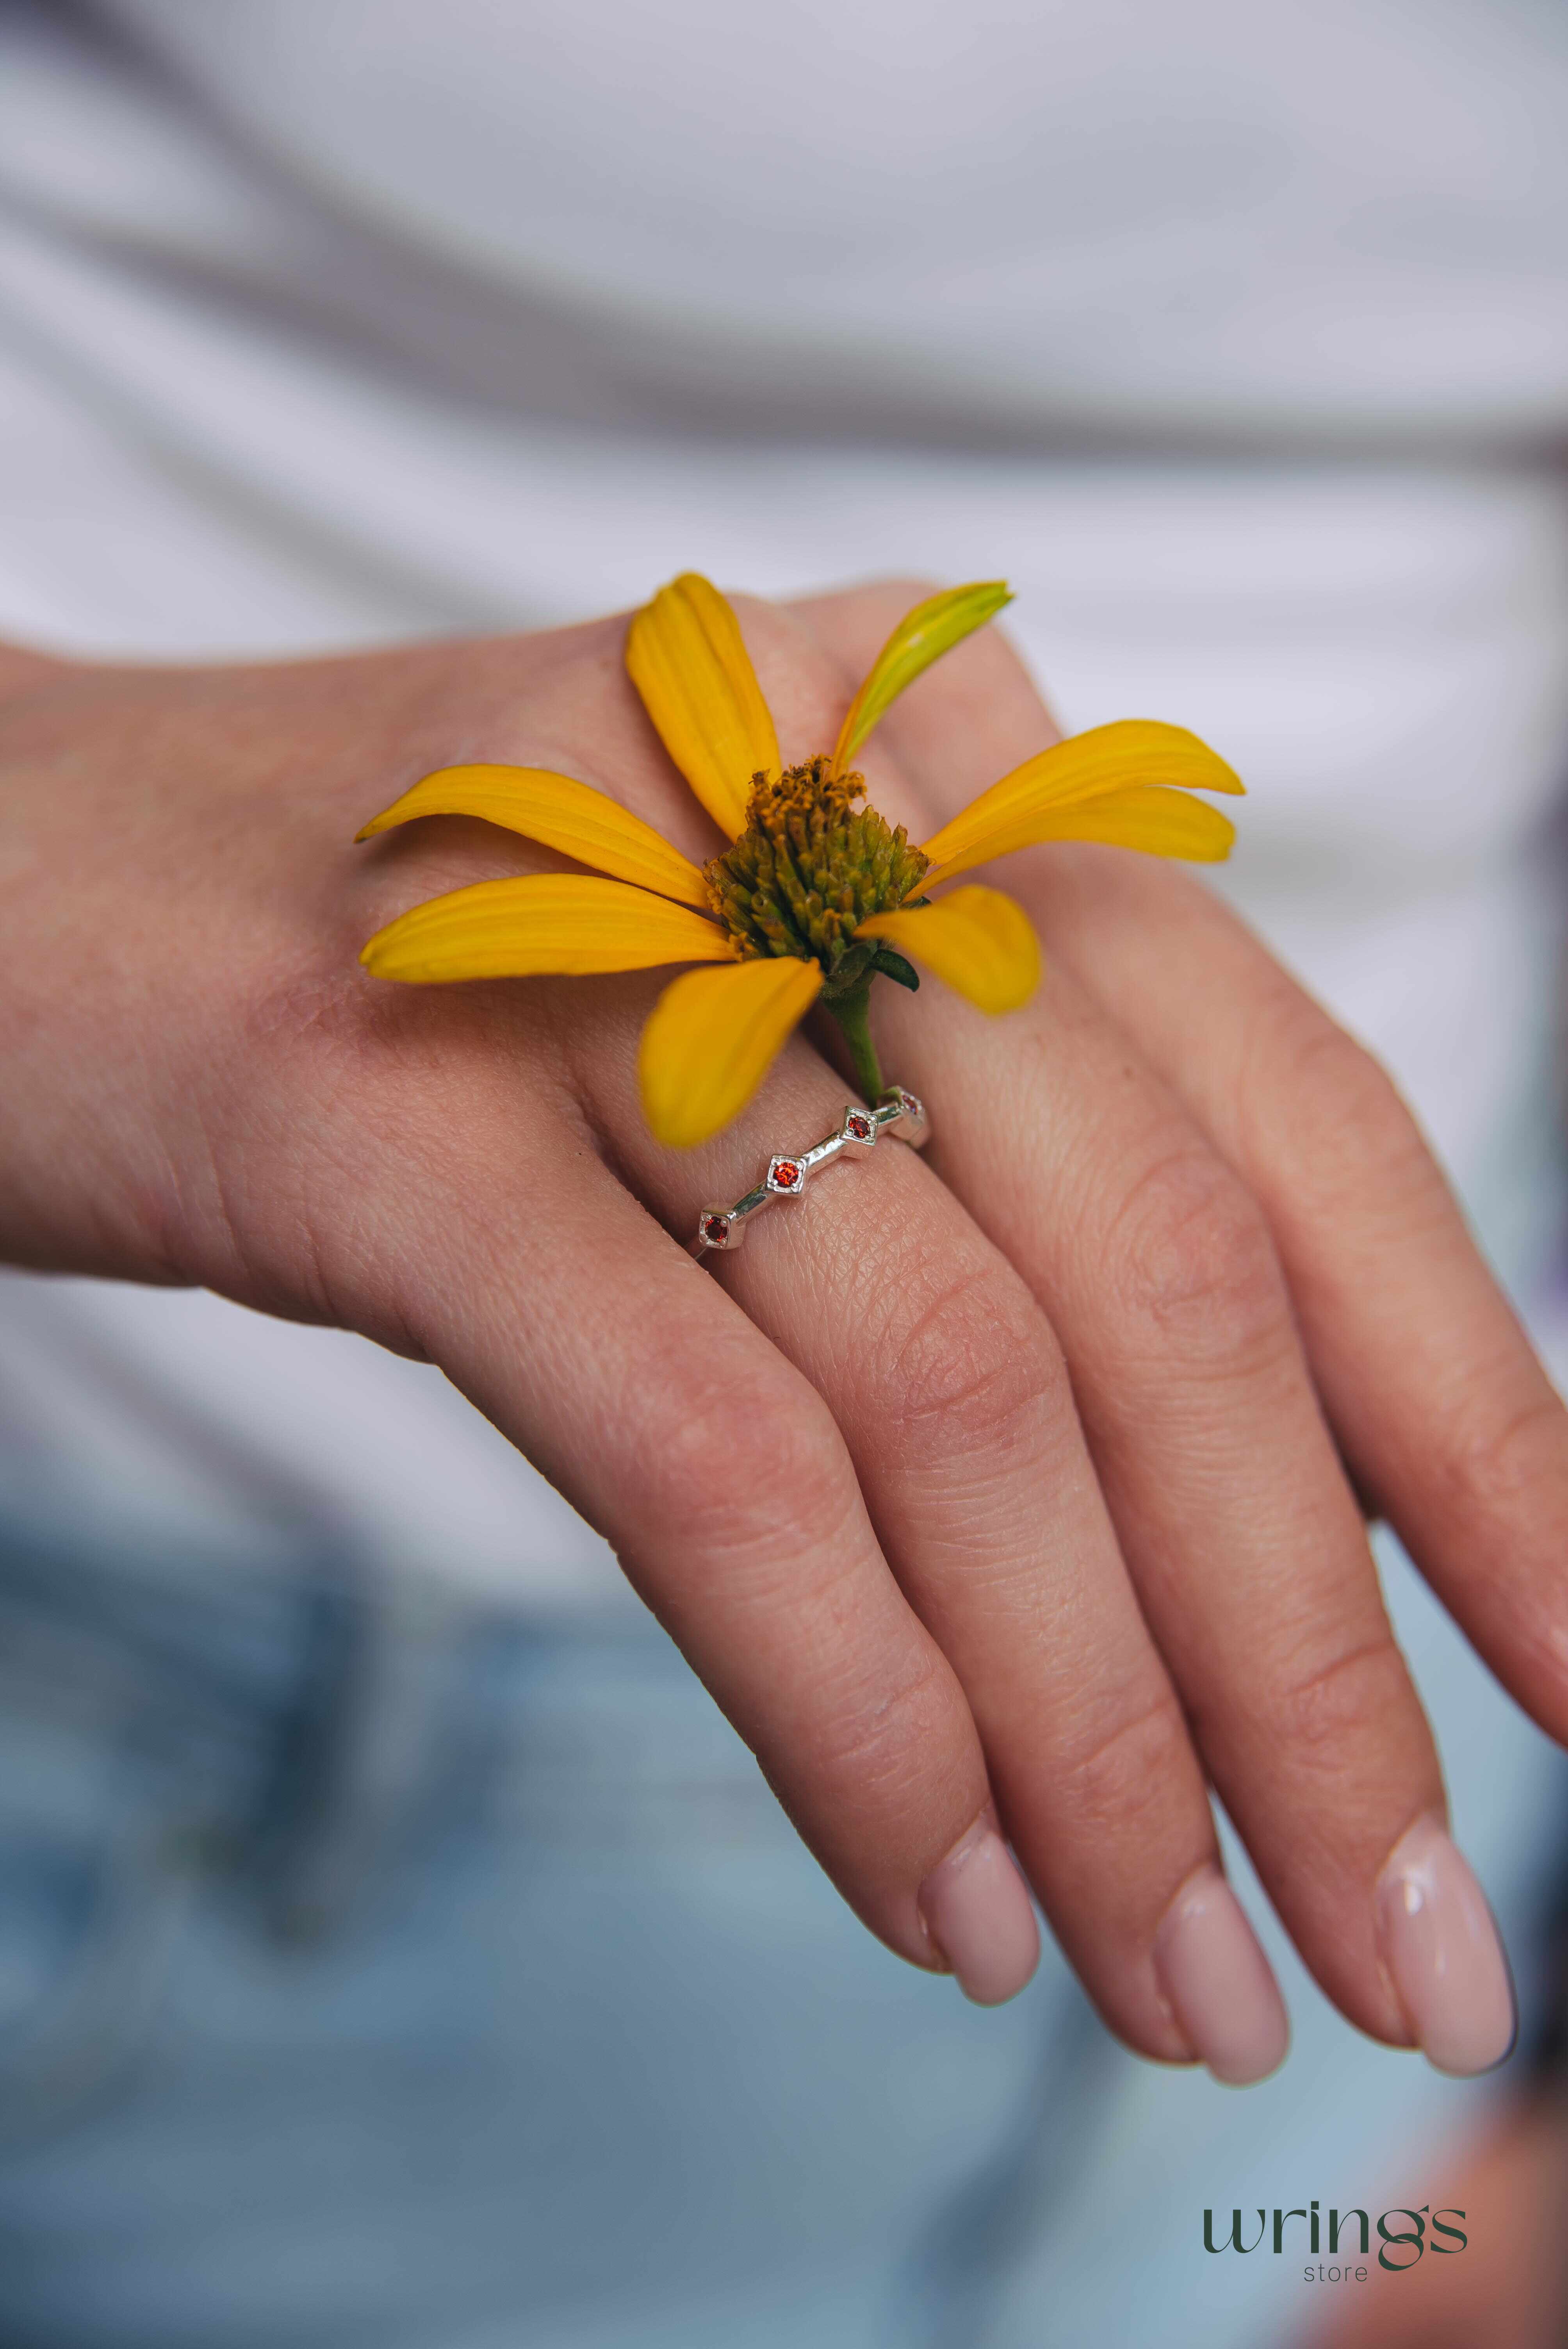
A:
492	1237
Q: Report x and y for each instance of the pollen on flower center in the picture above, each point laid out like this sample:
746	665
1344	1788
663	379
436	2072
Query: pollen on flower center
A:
810	868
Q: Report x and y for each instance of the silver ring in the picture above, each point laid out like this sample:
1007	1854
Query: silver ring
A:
788	1172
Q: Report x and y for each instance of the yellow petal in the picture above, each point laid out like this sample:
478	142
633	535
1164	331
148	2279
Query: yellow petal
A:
977	941
560	812
922	636
712	1038
688	660
561	922
1161	823
1027	805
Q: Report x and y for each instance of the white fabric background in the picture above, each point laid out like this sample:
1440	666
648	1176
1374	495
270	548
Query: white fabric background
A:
353	328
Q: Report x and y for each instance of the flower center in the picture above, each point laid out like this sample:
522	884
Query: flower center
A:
809	868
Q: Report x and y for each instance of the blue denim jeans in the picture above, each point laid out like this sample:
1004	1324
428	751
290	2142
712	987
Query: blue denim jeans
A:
390	1971
401	1972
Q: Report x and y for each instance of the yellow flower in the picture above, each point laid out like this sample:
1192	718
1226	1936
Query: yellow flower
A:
815	897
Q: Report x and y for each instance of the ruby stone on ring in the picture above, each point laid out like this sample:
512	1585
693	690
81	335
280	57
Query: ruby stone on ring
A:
897	1113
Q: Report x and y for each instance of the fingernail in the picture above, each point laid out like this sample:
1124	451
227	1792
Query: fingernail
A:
1210	1965
978	1912
1439	1944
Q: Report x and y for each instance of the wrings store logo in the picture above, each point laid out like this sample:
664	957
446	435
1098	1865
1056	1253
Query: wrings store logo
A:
1400	2246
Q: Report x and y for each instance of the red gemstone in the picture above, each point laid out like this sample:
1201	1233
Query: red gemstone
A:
786	1176
860	1128
715	1228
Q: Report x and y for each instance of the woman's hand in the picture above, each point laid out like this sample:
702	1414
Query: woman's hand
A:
1010	1483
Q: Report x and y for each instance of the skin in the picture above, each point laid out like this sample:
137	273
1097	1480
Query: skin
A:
1017	1473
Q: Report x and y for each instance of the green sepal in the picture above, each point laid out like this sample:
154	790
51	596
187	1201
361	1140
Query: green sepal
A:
893	965
850	973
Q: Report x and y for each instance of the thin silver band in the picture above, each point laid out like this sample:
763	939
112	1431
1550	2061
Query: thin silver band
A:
788	1171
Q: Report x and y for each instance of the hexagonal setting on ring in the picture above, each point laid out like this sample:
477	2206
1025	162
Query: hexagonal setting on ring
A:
786	1177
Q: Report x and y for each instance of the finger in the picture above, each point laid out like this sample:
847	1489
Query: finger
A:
953	1399
489	1235
1249	1554
1445	1416
978	719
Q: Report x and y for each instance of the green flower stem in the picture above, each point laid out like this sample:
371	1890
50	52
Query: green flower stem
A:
850	1011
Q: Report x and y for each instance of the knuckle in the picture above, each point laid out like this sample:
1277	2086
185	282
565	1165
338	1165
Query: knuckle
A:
1127	1767
883	1731
1194	1257
1493	1465
970	1355
737	1452
1321	1715
1346	1117
896	592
